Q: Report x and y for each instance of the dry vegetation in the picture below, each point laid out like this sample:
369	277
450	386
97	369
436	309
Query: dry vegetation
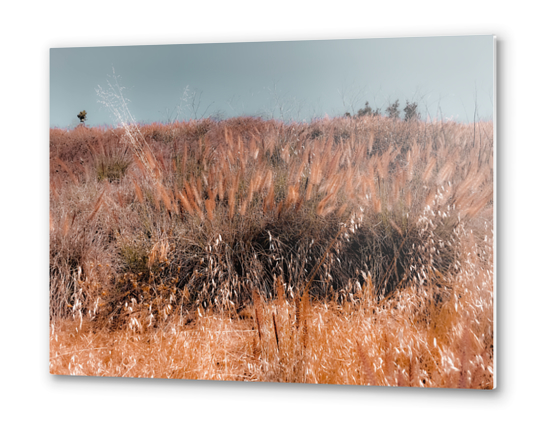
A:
345	251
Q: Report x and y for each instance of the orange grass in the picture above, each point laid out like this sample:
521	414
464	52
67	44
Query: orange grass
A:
345	251
362	341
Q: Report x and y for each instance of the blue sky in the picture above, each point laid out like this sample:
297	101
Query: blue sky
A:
449	77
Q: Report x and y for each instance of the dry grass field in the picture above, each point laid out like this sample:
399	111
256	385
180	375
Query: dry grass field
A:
344	251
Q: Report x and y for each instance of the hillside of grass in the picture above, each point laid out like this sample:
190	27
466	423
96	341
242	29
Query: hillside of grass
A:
345	251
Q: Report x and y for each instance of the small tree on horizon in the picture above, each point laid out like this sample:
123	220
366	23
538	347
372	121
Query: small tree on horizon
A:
411	111
393	110
82	116
368	111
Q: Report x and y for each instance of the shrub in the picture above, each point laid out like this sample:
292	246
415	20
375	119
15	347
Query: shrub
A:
411	112
111	167
111	160
368	111
393	110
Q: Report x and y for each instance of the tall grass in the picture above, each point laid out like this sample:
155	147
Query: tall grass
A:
349	251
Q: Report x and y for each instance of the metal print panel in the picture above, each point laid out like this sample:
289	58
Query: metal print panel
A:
302	212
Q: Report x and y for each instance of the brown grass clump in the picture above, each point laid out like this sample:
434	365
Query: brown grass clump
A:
345	251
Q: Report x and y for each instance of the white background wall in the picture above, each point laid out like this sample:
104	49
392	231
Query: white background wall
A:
30	394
